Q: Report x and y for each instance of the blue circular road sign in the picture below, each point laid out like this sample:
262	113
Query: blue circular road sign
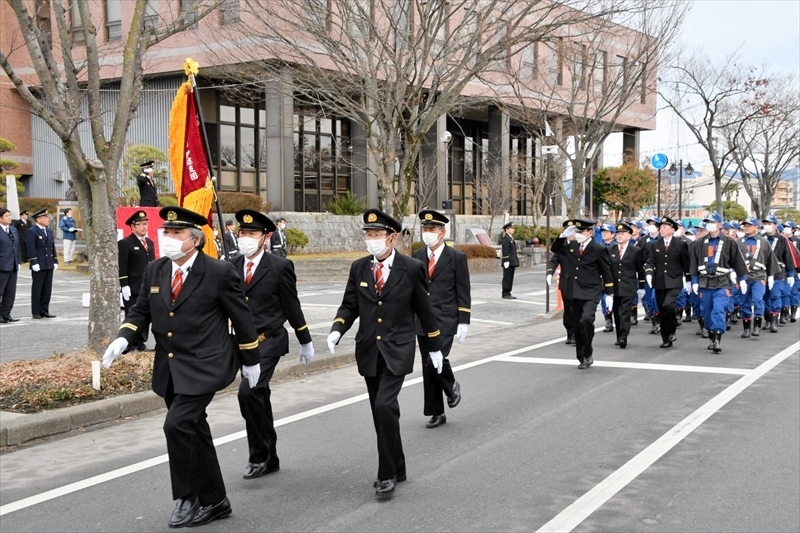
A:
659	161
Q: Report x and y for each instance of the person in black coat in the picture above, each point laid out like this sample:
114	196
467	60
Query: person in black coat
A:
231	241
23	224
136	251
509	259
627	267
667	272
449	288
41	247
588	272
270	288
189	298
277	242
386	290
10	261
554	263
148	192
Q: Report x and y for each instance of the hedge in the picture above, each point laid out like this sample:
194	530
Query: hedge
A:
31	205
236	201
473	251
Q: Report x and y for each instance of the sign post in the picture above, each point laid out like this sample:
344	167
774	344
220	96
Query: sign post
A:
659	161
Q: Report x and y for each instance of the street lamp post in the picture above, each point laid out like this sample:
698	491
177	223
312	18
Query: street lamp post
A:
681	169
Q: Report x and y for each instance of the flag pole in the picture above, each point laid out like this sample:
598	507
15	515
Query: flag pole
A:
196	97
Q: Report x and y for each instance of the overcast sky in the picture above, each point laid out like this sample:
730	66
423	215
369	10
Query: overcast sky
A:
768	32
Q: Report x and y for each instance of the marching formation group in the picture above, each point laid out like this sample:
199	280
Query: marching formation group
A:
717	273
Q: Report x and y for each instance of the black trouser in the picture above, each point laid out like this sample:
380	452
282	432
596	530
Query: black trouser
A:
567	318
41	288
508	279
435	385
622	316
193	465
8	292
583	312
256	409
383	390
128	305
666	300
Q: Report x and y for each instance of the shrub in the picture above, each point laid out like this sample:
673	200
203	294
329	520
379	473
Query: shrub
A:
416	246
34	204
295	239
168	199
235	201
346	204
541	234
523	232
477	251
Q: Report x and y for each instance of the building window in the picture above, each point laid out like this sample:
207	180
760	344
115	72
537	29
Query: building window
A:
621	78
554	65
151	14
321	159
43	20
239	139
578	60
529	61
75	25
230	12
113	20
187	8
599	71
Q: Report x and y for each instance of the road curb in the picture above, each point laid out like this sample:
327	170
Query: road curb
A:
36	426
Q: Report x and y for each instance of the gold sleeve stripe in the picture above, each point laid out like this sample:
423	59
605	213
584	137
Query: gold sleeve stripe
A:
123	277
339	320
305	326
609	284
129	326
433	334
249	345
465	309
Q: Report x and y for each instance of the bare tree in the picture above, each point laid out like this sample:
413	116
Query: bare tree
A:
701	91
583	79
767	144
494	190
67	63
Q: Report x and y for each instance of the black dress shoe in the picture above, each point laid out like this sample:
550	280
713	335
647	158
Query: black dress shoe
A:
623	344
436	421
37	317
570	339
209	513
48	315
582	366
666	344
254	470
589	361
616	343
385	487
507	297
10	319
455	399
399	478
185	512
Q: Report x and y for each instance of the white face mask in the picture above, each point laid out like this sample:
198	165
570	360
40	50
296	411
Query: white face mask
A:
148	171
740	233
712	226
249	246
171	247
430	239
652	229
797	233
769	228
787	232
689	237
581	237
377	247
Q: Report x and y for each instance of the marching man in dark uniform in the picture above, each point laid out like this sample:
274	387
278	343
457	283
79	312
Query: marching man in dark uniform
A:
762	267
41	248
23	224
449	287
588	269
270	288
277	242
627	267
667	272
148	192
716	262
136	251
555	262
386	290
510	260
189	298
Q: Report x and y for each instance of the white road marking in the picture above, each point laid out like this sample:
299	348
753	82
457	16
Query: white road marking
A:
537	293
491	321
572	516
334	306
639	366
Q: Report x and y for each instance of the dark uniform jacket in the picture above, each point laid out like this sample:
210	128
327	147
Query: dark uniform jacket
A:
272	298
22	228
780	247
509	250
232	244
132	261
387	322
552	265
41	248
449	289
10	256
758	257
727	258
148	194
588	274
669	268
629	271
193	345
277	242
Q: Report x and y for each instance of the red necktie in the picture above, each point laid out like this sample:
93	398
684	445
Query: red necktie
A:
431	266
583	247
177	283
249	274
621	250
379	278
666	246
144	243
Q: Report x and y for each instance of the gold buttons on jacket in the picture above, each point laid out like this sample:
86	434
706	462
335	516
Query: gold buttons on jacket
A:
171	313
380	303
380	320
169	334
379	337
246	298
170	354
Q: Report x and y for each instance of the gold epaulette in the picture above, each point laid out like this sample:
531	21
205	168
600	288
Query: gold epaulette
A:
433	334
338	319
129	326
465	309
249	345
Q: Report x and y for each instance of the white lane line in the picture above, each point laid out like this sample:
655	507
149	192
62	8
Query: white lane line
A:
334	306
639	366
492	322
572	516
525	302
537	293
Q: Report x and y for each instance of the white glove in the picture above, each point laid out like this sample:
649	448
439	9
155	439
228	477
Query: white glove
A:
640	294
306	353
505	264
688	287
733	277
73	230
436	360
609	302
549	279
696	288
790	282
770	282
126	292
55	267
36	268
743	286
251	374
333	340
462	333
568	232
116	347
649	279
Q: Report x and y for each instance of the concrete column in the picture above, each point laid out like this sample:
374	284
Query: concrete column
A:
364	175
630	142
279	105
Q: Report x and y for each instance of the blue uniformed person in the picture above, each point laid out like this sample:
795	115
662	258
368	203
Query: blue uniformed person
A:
762	266
792	233
784	279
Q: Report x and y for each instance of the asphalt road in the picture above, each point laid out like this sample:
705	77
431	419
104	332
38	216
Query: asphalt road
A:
646	440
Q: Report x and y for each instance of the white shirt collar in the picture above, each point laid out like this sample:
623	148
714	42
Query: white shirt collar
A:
186	267
387	263
436	253
256	260
667	241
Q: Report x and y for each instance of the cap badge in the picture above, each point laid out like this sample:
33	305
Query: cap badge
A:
248	219
428	216
372	217
570	223
620	227
142	214
172	215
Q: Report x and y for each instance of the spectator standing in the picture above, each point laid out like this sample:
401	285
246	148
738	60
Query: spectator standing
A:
231	240
148	192
23	224
510	260
70	230
278	240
